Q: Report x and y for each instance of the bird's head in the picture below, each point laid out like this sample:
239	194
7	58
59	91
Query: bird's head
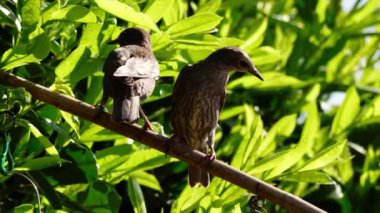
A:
133	36
234	58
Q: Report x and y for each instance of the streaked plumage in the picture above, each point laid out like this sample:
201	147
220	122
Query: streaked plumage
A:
198	98
130	72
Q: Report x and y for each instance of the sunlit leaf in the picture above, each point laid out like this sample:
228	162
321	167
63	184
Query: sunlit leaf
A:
74	13
308	177
146	179
136	195
273	81
211	6
50	149
346	113
324	157
67	66
127	13
194	24
157	9
281	130
40	163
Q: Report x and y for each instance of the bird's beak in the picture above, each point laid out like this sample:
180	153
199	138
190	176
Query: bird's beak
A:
256	73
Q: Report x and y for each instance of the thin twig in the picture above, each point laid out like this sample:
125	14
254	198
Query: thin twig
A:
180	151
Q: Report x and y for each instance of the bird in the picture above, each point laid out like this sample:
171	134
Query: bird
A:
130	74
198	97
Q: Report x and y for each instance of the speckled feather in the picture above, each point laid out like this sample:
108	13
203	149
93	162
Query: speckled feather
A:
198	98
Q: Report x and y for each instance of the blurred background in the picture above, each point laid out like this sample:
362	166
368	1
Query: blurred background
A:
312	128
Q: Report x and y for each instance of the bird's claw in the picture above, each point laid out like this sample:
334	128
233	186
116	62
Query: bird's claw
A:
148	126
208	159
101	108
211	157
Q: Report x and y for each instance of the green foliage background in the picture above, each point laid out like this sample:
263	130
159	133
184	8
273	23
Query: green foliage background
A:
312	127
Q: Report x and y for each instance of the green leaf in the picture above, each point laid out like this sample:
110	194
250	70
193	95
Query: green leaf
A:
210	6
50	148
279	132
232	195
35	50
82	169
269	162
197	23
100	197
30	13
136	196
48	190
348	68
324	157
230	112
98	133
127	13
157	9
273	81
113	157
40	163
67	66
346	113
146	160
89	38
74	13
265	55
320	10
24	208
364	13
146	179
189	199
308	177
256	35
309	132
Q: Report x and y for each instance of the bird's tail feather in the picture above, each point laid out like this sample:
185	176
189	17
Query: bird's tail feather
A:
126	109
197	175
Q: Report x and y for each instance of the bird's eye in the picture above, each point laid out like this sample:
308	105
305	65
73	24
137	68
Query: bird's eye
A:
244	64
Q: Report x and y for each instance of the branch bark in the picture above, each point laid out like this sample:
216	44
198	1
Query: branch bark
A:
159	142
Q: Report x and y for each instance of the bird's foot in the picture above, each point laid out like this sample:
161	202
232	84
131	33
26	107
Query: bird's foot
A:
211	157
148	126
208	159
100	109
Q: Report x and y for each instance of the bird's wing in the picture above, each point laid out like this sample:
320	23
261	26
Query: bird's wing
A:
181	79
142	65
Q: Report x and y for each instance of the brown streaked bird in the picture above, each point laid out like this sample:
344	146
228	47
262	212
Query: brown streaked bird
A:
198	98
130	72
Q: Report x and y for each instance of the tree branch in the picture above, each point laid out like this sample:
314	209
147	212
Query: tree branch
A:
159	142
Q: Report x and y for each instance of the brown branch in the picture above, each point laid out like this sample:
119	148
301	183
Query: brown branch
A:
156	141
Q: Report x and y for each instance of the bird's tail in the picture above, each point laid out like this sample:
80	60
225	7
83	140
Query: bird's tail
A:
126	109
197	175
